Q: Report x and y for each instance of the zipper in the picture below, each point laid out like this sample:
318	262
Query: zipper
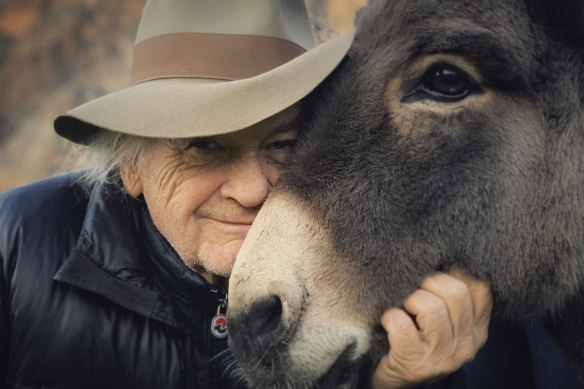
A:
221	297
189	363
219	331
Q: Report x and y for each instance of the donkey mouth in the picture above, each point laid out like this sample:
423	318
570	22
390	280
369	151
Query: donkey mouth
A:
341	374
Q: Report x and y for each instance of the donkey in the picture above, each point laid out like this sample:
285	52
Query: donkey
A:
451	136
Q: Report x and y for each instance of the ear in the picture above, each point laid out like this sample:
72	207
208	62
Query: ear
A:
131	178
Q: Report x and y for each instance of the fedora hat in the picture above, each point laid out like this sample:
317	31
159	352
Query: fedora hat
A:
209	67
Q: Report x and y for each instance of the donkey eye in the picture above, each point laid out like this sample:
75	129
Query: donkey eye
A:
448	82
445	83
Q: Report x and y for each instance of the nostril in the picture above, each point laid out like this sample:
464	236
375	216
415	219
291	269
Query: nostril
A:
265	320
260	321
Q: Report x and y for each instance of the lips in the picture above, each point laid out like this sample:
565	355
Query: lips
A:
234	218
234	223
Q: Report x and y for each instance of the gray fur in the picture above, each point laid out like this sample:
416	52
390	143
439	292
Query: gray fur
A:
498	193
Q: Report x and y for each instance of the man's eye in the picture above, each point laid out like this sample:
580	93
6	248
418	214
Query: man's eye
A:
204	144
445	83
283	144
277	152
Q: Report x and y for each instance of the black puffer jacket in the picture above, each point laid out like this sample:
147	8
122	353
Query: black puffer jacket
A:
82	304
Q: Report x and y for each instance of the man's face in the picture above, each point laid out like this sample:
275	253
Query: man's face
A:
204	193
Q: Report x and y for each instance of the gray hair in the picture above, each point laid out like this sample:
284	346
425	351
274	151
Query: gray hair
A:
107	152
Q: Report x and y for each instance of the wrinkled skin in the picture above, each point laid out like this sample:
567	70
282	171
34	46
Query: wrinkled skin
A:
451	136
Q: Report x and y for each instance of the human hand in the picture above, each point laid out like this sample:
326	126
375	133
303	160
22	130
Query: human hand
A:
441	327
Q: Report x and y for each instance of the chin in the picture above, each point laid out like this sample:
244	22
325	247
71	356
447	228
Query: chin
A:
218	262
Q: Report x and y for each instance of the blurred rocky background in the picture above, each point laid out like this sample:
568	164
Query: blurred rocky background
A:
56	54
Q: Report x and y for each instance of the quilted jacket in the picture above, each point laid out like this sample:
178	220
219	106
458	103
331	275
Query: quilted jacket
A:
82	304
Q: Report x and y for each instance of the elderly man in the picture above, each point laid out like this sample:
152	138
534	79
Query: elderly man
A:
115	277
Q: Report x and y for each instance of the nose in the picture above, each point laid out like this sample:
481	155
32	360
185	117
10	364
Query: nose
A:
259	327
260	323
246	183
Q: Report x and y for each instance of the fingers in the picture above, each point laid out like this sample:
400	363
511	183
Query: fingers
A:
400	328
402	332
441	326
482	303
393	370
454	303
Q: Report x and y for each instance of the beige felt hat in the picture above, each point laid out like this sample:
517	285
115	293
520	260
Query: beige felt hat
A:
209	67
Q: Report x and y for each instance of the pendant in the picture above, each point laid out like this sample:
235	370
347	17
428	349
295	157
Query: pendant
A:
219	322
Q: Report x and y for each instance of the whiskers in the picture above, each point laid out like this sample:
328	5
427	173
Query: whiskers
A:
230	368
266	369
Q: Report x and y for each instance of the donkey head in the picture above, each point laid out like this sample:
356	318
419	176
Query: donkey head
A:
451	136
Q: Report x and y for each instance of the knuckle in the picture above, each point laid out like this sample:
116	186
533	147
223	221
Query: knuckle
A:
480	337
458	293
400	325
466	355
483	289
437	307
485	309
466	351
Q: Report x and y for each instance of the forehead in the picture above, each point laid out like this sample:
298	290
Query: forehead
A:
415	27
496	36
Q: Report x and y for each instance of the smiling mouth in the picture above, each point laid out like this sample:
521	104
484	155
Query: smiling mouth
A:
233	223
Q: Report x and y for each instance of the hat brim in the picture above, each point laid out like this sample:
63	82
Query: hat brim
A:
184	107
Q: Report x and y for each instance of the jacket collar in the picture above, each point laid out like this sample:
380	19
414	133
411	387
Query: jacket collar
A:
111	260
187	287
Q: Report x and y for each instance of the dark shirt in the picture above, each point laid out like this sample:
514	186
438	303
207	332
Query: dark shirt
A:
517	355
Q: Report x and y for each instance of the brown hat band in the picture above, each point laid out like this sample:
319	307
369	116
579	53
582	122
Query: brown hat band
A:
218	56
